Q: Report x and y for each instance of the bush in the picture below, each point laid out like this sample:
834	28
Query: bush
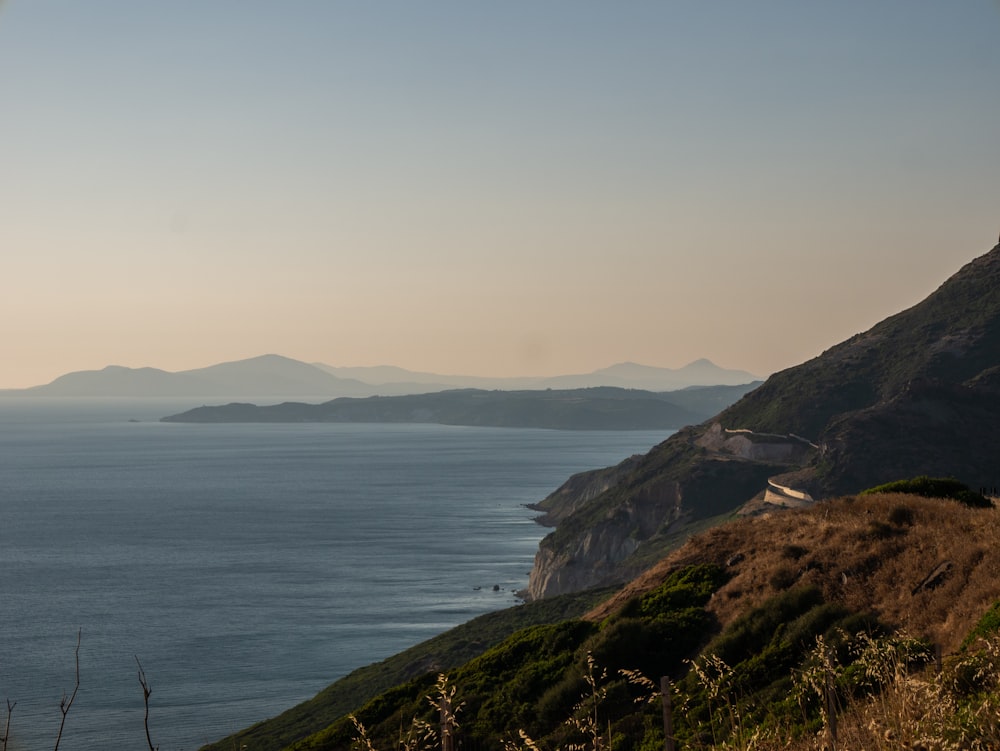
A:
691	587
935	487
750	633
988	626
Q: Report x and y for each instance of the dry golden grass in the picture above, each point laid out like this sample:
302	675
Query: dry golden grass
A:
870	552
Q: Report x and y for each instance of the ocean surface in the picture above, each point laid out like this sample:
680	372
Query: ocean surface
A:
246	566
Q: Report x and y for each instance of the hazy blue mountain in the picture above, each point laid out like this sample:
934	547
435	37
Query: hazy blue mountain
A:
626	375
267	375
378	375
274	374
631	375
275	377
115	380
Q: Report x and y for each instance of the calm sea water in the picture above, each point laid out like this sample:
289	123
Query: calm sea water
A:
247	566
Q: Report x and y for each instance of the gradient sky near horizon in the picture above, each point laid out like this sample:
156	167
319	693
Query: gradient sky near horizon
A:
506	188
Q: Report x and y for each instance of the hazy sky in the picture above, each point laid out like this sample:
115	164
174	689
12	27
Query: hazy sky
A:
494	188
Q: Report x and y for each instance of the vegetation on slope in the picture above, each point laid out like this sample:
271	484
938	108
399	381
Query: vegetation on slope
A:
934	487
531	680
738	619
441	653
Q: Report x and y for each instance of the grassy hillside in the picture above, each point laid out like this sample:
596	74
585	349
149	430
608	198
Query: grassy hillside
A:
733	618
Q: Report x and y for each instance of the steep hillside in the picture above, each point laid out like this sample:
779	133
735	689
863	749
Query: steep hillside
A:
916	394
884	576
612	524
952	337
928	566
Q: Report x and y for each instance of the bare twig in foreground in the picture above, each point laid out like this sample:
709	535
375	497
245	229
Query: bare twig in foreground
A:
66	703
146	691
6	731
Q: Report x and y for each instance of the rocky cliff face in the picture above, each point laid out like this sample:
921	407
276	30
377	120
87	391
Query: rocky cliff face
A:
580	489
595	557
613	523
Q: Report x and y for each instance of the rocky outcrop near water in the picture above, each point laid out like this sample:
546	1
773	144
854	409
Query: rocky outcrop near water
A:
607	533
596	555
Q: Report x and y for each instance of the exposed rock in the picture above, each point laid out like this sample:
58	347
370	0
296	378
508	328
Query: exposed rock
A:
595	557
612	535
580	489
762	447
935	578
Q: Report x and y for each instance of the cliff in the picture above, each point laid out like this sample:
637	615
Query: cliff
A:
612	524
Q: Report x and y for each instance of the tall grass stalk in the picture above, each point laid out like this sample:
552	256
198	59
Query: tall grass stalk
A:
886	695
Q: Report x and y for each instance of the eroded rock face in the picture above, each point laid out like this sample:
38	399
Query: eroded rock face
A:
580	489
759	447
611	536
595	557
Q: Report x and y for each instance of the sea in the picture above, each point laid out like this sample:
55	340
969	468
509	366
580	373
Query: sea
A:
245	567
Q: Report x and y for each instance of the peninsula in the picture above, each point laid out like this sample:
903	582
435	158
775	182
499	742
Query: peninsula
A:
600	408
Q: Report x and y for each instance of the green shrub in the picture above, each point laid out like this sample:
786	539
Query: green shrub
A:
987	626
690	587
935	487
751	632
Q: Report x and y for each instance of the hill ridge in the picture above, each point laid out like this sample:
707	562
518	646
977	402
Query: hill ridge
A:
273	375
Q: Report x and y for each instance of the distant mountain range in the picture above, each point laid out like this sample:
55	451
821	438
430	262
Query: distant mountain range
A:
626	375
277	377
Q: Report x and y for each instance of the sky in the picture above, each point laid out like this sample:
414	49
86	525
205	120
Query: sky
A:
523	187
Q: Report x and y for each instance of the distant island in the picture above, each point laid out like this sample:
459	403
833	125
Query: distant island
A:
599	408
277	377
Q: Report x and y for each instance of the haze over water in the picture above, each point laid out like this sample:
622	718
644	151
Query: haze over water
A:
248	566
